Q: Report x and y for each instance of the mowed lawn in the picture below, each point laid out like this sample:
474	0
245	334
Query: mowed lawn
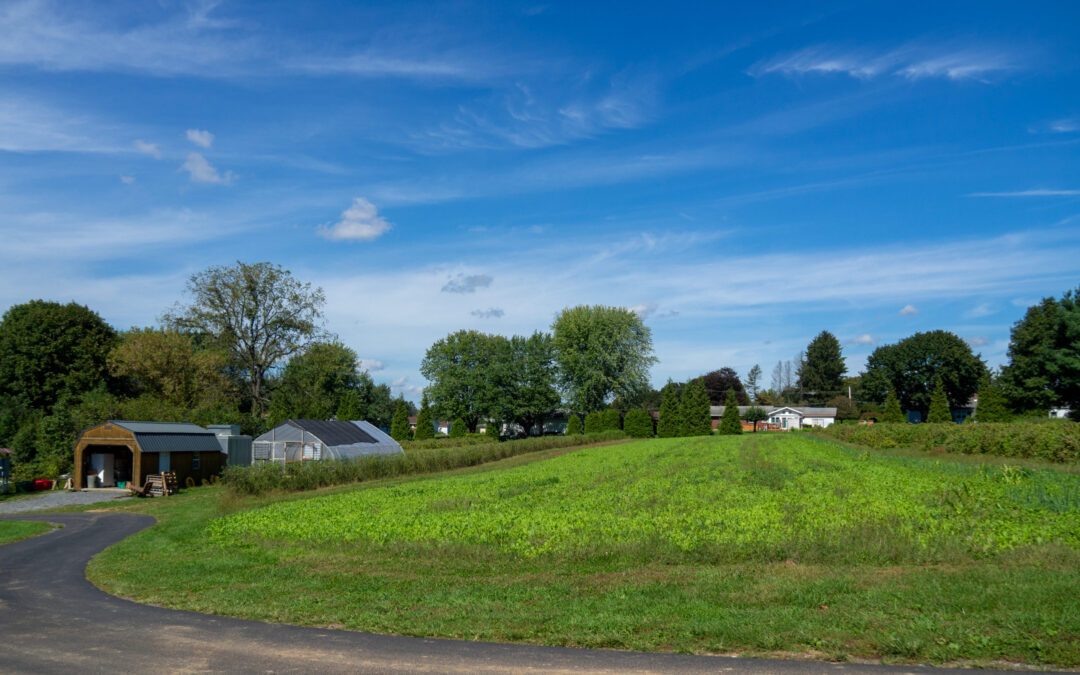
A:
14	530
761	544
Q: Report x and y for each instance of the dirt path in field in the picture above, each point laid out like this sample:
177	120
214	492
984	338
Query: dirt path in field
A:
53	620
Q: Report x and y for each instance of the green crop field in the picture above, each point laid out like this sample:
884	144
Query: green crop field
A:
764	545
764	498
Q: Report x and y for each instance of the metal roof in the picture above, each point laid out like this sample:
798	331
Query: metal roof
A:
171	436
160	427
334	432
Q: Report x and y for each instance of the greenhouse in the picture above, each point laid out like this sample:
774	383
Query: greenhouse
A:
307	440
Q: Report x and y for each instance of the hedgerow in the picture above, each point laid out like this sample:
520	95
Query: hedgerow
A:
265	477
1054	441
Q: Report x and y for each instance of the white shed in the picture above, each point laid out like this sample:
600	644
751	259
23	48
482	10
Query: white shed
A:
300	440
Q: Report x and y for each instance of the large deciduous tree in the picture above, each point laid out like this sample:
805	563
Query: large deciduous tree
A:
912	366
1044	357
527	381
719	382
258	312
822	373
466	372
49	351
168	364
601	352
315	383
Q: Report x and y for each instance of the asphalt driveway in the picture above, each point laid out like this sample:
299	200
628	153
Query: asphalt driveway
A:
52	620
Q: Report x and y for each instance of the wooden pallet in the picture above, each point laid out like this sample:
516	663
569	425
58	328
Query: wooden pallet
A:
160	485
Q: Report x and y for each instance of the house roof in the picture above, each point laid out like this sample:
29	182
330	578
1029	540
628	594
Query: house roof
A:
170	436
6	451
805	411
334	432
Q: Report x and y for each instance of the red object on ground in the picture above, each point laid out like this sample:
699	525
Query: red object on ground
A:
43	484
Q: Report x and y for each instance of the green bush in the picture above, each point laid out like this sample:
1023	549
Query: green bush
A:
594	424
264	477
458	428
573	426
610	419
1056	441
492	430
638	424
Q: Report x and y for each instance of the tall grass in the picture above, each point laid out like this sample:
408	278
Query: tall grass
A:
265	477
1057	442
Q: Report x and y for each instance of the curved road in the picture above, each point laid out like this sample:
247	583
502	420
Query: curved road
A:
52	620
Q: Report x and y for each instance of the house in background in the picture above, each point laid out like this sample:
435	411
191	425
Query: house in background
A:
783	417
1059	413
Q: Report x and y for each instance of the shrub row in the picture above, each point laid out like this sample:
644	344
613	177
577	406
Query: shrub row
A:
446	442
1058	442
264	477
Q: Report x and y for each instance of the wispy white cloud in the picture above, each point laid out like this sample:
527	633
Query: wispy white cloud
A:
127	180
554	113
1064	125
980	310
147	148
491	313
27	125
913	61
373	64
201	171
65	37
1037	192
359	222
908	310
200	137
862	340
467	284
977	340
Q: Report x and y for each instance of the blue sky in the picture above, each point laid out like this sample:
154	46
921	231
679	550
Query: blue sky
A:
742	176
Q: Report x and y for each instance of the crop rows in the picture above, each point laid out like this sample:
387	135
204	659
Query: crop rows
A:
769	498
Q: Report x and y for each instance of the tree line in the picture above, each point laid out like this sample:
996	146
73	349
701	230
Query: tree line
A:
247	347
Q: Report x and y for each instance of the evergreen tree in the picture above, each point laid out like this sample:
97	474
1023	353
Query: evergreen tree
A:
399	427
821	375
694	418
349	406
730	423
573	427
458	429
638	424
991	406
892	412
425	426
593	423
939	405
492	429
668	425
611	419
753	383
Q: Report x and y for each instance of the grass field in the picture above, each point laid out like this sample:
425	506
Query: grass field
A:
14	530
762	544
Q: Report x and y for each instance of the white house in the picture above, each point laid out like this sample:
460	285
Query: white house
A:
1059	413
786	417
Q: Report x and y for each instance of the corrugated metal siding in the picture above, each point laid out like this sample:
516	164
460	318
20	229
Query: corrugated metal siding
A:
159	427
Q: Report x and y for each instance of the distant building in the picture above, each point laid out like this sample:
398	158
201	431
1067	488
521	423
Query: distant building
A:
301	440
783	417
1059	413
